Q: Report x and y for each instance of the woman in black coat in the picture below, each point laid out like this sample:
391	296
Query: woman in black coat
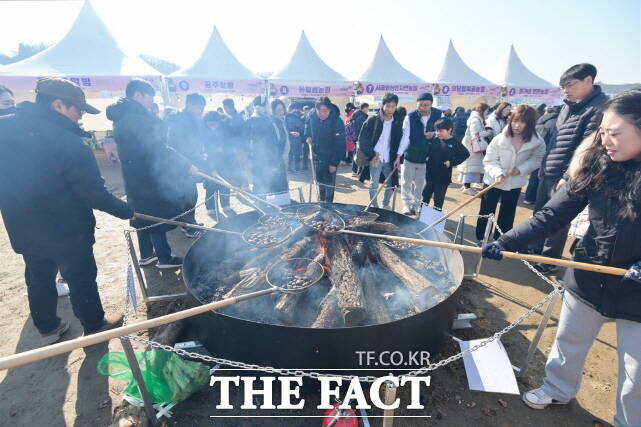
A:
608	181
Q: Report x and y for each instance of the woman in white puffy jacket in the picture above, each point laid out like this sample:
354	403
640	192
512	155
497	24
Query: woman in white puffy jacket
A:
510	158
499	117
471	170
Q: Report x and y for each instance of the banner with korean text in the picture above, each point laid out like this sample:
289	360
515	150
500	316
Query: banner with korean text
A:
465	90
372	88
310	90
87	83
184	85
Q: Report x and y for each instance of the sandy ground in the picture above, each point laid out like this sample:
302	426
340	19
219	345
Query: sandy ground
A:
67	391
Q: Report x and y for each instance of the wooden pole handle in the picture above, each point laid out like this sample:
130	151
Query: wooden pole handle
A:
380	188
461	206
30	356
183	224
224	183
512	255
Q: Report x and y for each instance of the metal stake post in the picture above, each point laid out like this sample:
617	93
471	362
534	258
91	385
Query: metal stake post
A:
141	278
489	228
539	333
390	397
394	199
140	382
460	230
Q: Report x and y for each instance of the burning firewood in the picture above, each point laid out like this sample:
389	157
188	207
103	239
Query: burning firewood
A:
349	290
377	311
329	315
287	304
426	293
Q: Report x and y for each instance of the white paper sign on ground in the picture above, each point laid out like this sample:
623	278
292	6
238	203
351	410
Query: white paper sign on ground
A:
429	215
281	199
488	368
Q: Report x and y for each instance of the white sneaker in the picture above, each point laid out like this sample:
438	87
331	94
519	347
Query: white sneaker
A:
538	399
62	288
388	207
470	191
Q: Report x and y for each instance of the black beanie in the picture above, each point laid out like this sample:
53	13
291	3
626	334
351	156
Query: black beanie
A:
425	97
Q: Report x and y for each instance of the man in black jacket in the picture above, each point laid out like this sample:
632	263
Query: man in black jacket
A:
577	119
546	129
187	134
295	127
49	186
358	119
381	139
325	131
153	172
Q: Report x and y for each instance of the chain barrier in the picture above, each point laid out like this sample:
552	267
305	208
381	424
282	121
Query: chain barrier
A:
368	379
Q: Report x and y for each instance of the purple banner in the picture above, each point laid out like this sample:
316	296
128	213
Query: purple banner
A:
550	93
373	88
465	90
87	83
182	85
313	90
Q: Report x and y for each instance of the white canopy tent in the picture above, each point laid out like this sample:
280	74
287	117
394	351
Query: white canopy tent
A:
456	78
520	85
386	74
87	55
216	71
307	75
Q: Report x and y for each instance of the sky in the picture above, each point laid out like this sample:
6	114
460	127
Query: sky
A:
548	35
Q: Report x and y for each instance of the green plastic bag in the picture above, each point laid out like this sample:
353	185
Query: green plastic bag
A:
169	379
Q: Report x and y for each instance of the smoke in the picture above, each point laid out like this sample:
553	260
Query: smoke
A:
218	256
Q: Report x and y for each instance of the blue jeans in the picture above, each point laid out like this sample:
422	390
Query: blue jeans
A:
375	176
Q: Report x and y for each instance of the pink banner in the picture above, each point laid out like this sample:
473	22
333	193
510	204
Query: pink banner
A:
87	83
313	90
372	88
465	90
551	93
183	85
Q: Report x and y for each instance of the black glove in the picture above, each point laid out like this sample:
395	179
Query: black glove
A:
634	272
493	250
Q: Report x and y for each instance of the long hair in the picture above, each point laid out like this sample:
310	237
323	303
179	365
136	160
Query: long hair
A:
619	181
526	114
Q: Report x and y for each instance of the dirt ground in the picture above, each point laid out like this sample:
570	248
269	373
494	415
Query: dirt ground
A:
67	391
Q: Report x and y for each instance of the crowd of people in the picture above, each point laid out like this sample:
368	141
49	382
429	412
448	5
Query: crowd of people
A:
584	155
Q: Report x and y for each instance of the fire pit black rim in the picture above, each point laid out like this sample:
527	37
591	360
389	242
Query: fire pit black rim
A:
221	224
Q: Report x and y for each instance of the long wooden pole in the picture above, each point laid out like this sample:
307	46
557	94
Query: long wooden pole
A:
461	206
380	188
512	255
224	183
30	356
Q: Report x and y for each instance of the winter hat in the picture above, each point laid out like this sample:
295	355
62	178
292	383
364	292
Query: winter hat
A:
426	96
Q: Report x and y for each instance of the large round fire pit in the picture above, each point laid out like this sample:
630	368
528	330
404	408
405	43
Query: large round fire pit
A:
374	298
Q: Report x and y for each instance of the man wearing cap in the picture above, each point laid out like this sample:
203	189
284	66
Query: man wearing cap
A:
418	128
49	186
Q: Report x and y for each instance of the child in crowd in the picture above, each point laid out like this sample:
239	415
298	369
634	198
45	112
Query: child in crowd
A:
445	152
